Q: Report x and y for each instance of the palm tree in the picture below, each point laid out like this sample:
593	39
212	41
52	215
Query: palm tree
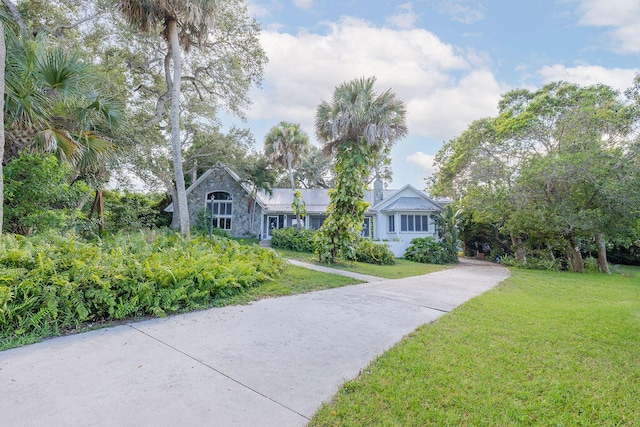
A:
356	126
285	145
184	24
50	104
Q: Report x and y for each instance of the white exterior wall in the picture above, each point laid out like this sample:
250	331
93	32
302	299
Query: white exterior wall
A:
399	241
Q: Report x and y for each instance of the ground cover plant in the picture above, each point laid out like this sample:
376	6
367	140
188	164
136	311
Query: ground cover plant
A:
543	348
50	302
51	282
401	268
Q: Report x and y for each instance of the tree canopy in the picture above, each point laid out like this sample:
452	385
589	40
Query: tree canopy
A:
556	169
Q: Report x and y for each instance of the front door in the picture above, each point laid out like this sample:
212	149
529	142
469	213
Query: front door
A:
273	223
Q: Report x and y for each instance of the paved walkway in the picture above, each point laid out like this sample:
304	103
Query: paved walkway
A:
271	363
310	266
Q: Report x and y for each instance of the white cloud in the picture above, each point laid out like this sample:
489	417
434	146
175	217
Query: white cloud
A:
444	88
303	4
424	161
622	16
263	9
617	78
461	12
405	19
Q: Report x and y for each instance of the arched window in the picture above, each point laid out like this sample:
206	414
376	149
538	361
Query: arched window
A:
220	207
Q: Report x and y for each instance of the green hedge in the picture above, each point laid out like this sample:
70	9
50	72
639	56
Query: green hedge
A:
373	253
428	251
293	239
303	241
50	282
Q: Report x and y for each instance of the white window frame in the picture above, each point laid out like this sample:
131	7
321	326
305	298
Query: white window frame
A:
412	223
221	221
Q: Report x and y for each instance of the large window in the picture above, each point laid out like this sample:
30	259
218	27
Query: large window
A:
220	207
414	223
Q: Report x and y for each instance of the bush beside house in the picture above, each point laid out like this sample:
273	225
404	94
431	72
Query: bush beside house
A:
303	241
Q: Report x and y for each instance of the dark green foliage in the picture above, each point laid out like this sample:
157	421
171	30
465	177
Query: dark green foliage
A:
294	239
51	282
133	211
535	262
374	253
447	222
39	194
427	250
625	255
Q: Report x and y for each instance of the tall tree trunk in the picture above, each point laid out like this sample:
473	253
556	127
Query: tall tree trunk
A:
293	189
520	251
175	218
574	255
176	145
603	265
3	55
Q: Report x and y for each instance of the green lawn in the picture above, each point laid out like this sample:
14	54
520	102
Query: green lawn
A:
294	280
402	268
543	348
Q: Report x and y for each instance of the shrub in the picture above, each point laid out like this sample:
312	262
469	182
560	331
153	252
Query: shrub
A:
373	253
533	263
52	282
293	239
39	194
428	251
591	264
132	211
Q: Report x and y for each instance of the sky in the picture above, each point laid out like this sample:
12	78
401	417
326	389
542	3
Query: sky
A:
449	61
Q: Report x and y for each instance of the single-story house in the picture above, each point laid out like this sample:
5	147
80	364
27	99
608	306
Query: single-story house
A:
394	217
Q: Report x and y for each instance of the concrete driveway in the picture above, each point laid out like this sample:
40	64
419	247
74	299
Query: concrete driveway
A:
271	363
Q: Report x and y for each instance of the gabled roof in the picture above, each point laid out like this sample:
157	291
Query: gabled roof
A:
204	176
408	198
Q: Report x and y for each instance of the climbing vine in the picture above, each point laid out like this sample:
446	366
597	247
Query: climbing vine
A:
345	214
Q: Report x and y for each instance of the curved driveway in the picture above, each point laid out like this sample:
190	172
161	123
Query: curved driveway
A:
270	363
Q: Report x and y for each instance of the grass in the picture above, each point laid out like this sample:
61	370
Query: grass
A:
294	280
402	268
543	348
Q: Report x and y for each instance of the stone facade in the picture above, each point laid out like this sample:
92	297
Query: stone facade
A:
243	224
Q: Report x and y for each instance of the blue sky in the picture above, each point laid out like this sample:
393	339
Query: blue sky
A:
448	60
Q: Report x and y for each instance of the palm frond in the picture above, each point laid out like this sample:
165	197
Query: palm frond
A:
358	113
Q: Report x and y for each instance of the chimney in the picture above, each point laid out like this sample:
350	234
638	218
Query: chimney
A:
378	194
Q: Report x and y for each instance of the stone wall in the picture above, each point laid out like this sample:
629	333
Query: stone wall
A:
218	179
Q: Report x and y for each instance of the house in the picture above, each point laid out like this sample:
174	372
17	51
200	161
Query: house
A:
394	217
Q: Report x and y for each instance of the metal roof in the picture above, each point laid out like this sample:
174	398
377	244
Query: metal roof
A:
316	199
411	204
